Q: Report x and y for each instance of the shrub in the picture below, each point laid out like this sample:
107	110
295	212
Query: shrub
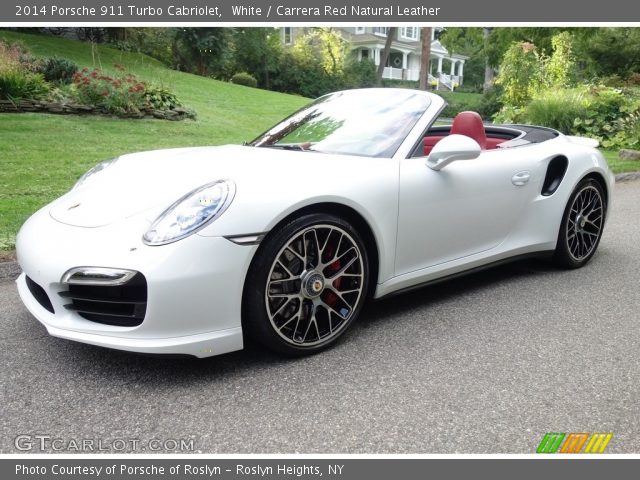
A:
16	83
393	83
359	74
459	102
9	57
156	42
161	98
491	102
121	93
115	94
16	79
243	78
521	74
559	69
610	115
525	72
626	129
509	114
558	109
58	70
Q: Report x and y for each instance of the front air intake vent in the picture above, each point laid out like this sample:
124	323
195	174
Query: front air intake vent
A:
120	305
39	294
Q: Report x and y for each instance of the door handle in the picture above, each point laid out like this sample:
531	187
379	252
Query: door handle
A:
521	178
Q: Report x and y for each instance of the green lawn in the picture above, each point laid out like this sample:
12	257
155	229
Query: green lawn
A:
42	155
620	166
468	98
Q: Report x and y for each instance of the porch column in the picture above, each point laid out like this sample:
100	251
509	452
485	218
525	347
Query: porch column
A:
404	60
453	67
359	54
376	56
439	64
460	69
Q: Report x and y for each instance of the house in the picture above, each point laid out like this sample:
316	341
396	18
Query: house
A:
446	71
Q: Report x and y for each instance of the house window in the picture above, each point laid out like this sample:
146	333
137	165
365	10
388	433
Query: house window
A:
359	30
410	33
382	31
286	35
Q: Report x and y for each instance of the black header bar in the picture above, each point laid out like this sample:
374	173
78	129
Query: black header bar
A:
281	12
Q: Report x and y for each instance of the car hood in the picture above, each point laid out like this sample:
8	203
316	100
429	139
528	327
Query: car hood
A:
148	182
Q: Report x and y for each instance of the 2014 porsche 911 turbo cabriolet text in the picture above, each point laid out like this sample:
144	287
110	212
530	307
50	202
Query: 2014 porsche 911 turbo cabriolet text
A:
360	194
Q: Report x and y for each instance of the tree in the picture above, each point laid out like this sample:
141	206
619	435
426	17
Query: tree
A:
468	41
560	67
489	73
608	51
314	65
333	50
391	33
424	59
487	47
201	50
257	50
521	74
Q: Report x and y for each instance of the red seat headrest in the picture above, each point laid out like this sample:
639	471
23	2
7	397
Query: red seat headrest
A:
470	124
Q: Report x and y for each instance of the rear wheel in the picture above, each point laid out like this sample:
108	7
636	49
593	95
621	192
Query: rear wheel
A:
582	225
307	285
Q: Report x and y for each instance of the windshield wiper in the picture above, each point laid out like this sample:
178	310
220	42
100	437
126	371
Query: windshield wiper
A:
286	147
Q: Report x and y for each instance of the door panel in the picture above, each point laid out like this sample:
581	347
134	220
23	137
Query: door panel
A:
467	207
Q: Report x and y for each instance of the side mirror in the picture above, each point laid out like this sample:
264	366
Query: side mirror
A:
452	148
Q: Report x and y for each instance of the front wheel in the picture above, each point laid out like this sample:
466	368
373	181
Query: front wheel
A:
582	224
306	285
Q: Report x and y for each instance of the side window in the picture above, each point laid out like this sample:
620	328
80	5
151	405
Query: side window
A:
436	132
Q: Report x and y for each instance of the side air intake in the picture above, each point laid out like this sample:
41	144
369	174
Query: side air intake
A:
555	173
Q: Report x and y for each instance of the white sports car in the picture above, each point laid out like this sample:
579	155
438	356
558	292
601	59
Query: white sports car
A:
360	194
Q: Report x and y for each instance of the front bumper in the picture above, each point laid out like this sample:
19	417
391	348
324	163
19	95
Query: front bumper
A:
194	286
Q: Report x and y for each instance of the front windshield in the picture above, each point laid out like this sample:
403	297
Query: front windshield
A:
369	122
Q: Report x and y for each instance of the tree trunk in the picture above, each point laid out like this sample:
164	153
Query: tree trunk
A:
385	53
424	59
489	73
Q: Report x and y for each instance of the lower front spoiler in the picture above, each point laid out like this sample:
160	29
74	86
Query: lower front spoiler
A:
200	345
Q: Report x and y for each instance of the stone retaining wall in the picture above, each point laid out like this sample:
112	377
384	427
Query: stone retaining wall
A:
20	106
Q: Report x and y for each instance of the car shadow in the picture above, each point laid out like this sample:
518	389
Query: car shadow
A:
422	296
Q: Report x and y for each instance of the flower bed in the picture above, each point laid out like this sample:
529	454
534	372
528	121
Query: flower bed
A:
56	85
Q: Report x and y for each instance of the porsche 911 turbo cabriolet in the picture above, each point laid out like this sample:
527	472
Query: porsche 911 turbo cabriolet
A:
361	194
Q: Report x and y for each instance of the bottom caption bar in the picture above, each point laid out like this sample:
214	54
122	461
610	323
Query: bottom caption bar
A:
300	468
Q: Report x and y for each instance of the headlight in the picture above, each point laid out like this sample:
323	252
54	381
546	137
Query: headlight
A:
191	213
98	168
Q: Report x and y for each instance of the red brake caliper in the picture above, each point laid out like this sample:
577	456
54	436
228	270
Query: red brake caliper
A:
331	298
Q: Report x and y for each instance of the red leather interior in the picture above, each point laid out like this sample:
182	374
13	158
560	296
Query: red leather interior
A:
465	123
494	142
470	125
429	142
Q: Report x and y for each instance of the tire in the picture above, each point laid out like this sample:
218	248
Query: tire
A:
306	285
582	225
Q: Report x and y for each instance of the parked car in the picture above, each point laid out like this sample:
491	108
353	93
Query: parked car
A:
361	194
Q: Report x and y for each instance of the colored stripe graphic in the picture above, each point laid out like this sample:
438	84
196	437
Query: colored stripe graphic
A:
598	442
574	442
550	443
